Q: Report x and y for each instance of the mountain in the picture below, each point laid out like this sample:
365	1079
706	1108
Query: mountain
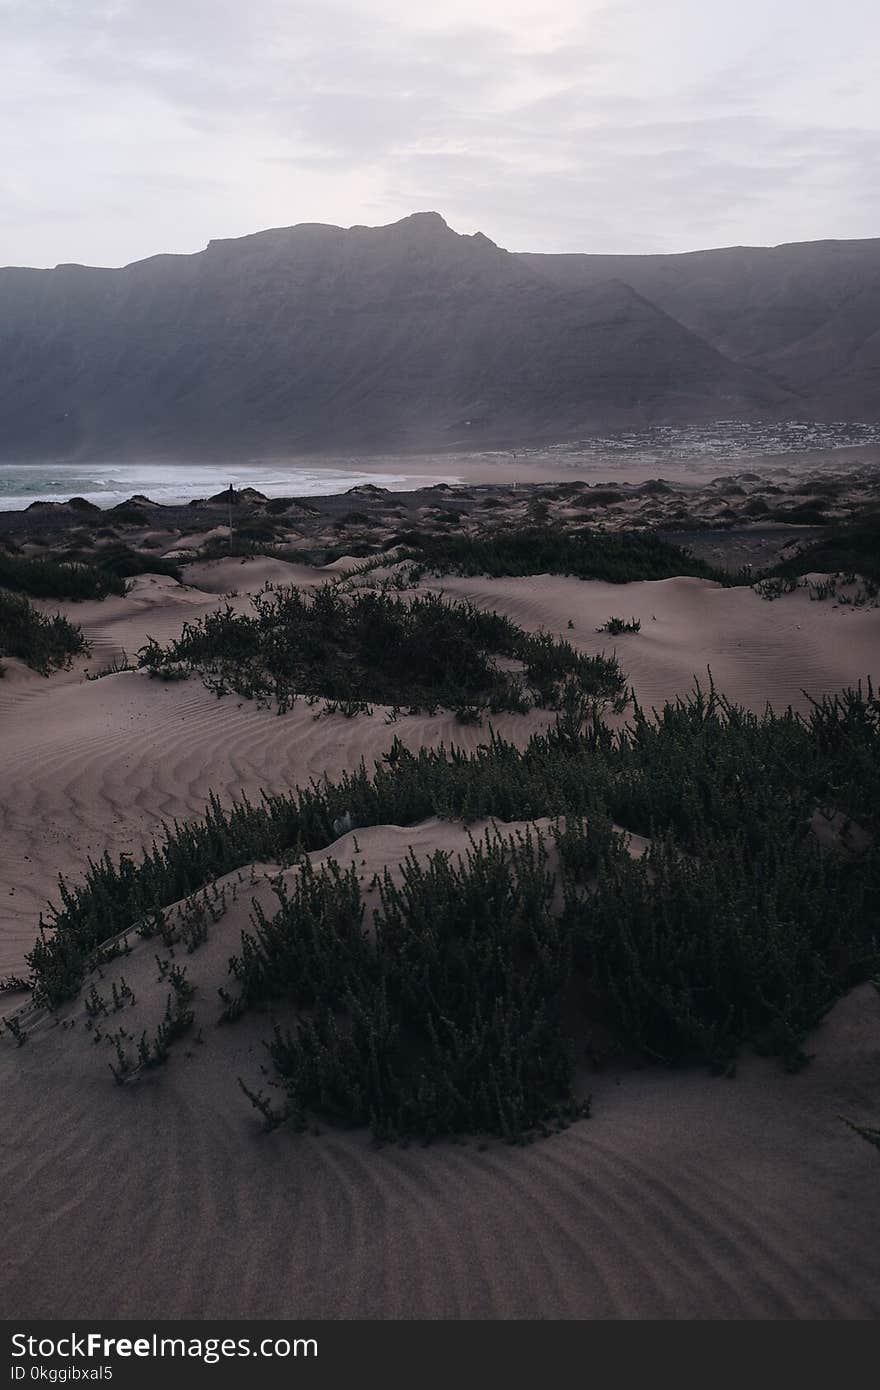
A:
412	336
806	315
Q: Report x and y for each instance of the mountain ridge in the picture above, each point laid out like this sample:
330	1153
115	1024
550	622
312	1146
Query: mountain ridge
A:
315	337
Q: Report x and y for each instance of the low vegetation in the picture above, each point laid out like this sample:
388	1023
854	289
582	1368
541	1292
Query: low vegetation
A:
443	1018
808	513
618	557
853	549
616	626
44	643
86	574
845	590
121	562
457	1008
374	647
47	578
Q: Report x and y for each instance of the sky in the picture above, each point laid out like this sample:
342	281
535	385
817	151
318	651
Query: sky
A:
131	127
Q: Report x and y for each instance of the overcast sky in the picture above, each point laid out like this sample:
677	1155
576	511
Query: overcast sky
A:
129	127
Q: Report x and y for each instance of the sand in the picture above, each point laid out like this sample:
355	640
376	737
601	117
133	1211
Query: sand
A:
563	462
758	651
684	1196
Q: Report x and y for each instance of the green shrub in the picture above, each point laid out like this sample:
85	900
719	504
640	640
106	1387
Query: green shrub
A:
46	578
447	1019
374	647
850	549
615	626
43	643
126	515
739	926
83	575
616	557
120	562
256	528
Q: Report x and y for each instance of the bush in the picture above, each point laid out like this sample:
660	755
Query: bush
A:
43	643
82	576
120	562
738	927
851	549
447	1019
810	513
256	529
45	578
615	626
371	646
616	557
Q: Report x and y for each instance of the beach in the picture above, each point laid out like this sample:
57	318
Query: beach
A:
683	1195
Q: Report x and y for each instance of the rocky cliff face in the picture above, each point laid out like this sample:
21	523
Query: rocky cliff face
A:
806	315
315	337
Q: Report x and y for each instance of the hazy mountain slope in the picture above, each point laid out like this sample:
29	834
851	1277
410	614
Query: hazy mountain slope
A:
807	313
316	337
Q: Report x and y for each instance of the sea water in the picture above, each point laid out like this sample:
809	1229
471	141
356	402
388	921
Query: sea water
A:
105	484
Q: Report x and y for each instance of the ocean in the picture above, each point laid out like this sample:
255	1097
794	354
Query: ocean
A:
691	445
106	483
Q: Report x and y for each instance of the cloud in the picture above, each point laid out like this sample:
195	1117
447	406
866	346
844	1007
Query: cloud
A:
134	126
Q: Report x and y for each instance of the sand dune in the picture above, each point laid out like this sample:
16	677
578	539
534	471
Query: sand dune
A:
759	652
684	1196
249	575
100	764
157	606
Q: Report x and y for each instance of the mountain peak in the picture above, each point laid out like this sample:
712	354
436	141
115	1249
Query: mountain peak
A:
421	224
423	219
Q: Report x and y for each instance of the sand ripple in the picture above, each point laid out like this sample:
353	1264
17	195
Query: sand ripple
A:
681	1198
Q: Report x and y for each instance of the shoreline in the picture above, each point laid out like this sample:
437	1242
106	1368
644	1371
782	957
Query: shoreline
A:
303	475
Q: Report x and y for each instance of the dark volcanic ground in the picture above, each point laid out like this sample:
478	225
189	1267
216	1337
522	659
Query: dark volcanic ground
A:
745	518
